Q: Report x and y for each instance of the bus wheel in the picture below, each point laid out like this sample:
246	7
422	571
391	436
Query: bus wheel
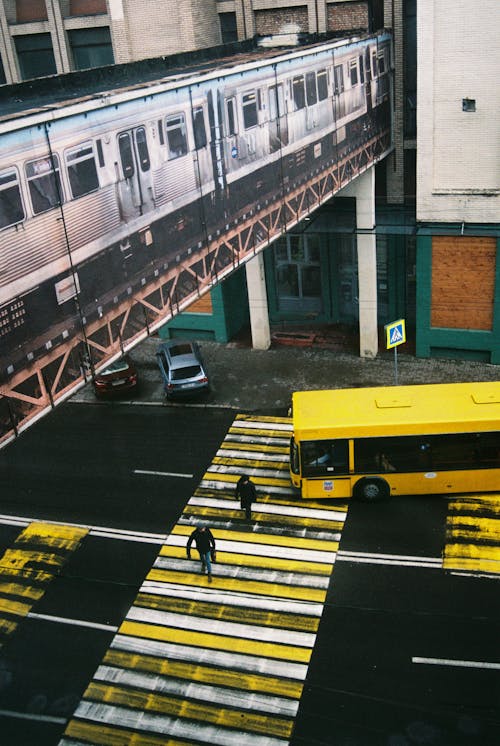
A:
371	490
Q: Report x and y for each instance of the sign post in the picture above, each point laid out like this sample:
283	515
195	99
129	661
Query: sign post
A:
395	335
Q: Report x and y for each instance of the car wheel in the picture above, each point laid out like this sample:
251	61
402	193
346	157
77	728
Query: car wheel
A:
371	490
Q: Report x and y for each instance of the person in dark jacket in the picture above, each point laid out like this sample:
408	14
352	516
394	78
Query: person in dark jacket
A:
246	493
205	544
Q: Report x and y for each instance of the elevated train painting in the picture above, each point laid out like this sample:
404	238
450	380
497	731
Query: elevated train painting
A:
100	195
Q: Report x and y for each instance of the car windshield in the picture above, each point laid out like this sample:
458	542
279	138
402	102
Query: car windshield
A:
117	367
183	348
180	374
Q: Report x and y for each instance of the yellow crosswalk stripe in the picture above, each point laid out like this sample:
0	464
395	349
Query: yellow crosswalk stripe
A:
243	614
204	674
473	534
37	555
240	585
216	642
253	560
297	542
98	734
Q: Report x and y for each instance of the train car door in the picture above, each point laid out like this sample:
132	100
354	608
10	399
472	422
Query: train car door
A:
278	128
135	183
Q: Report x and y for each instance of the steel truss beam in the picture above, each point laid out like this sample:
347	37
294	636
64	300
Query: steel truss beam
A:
37	388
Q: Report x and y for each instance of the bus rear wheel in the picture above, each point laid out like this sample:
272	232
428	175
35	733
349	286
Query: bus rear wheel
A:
371	490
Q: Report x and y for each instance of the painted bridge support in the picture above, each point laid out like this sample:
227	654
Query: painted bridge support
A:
363	189
257	303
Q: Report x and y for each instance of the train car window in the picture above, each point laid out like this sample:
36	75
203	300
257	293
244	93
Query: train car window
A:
176	136
100	154
82	171
311	92
338	74
200	133
249	106
231	117
361	69
160	132
322	79
126	155
11	204
353	72
44	183
381	64
142	148
299	96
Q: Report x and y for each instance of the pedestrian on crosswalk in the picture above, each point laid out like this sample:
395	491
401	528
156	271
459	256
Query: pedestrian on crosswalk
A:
205	544
247	494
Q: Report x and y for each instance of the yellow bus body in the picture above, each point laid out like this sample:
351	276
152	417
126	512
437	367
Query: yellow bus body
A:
392	414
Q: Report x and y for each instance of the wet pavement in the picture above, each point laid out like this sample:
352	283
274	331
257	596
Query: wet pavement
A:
251	380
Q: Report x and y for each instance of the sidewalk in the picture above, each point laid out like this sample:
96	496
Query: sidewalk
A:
255	380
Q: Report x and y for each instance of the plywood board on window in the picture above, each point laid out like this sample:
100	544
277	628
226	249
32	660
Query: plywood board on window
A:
463	282
202	305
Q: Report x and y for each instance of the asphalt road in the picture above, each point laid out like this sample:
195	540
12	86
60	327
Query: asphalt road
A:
391	614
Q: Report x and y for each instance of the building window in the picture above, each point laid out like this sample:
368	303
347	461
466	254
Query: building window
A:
228	28
3	79
87	7
35	55
30	10
91	47
298	278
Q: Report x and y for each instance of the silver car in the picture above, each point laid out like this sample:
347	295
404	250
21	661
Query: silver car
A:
182	368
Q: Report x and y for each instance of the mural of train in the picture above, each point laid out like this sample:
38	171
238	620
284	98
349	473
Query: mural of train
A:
99	193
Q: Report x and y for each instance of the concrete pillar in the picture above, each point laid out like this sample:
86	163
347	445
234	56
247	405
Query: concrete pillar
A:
60	44
9	57
257	302
363	189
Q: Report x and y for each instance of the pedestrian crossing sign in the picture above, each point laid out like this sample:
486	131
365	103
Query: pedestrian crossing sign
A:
395	333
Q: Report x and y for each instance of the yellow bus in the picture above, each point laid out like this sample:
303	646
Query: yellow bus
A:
370	443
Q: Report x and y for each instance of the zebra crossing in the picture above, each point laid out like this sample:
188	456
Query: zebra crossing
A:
27	568
473	534
224	662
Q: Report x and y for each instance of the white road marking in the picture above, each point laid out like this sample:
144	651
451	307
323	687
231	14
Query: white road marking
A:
217	627
29	716
232	598
192	690
163	473
453	662
219	658
401	560
74	622
264	550
147	722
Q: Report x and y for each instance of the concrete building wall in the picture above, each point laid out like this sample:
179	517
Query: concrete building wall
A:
458	151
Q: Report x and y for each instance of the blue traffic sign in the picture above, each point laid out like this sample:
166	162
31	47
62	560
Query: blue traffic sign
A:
395	333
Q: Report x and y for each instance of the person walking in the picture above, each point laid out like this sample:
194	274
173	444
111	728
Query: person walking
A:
205	544
246	493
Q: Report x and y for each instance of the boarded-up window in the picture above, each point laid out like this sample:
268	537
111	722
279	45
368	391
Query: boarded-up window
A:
202	305
30	10
463	282
87	7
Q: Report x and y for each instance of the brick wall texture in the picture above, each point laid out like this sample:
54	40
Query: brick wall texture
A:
347	16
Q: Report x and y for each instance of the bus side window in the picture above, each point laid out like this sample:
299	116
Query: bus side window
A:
325	457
